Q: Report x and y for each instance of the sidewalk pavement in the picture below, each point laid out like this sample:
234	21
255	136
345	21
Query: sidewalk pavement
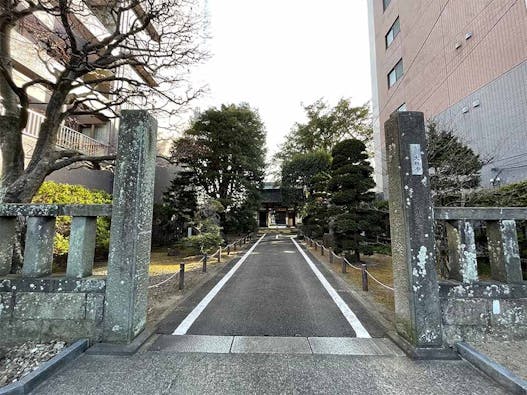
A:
198	373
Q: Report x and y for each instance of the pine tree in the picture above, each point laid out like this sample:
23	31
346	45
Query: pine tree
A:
181	202
351	197
454	167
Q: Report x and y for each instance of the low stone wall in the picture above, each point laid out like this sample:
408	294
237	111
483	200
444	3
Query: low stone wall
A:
48	308
483	311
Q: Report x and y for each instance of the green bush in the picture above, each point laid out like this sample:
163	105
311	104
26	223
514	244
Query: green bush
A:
54	193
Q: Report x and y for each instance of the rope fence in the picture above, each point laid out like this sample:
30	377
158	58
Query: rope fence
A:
243	240
366	274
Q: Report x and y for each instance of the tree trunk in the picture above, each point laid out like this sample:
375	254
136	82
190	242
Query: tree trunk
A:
11	146
357	247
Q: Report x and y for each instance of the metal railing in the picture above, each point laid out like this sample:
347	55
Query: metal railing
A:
67	138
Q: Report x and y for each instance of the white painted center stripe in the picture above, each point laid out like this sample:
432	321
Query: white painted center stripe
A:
194	314
350	316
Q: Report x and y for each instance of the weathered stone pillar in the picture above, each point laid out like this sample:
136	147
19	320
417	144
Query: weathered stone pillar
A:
130	233
462	251
82	247
7	240
417	308
504	252
38	252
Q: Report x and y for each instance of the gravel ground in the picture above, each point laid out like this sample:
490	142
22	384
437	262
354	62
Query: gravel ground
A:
511	354
18	361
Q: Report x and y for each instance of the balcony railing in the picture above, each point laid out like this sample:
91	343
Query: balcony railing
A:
67	138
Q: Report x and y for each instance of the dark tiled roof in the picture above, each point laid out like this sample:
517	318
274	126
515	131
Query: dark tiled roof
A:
271	195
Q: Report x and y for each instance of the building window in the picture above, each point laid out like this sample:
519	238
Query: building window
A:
385	4
393	32
402	107
395	74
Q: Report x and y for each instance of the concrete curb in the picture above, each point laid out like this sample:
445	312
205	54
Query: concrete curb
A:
492	369
28	383
121	349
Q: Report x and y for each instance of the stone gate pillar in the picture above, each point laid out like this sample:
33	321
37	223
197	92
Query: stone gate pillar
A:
417	308
131	228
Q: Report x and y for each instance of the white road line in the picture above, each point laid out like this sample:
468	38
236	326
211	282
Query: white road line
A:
350	316
194	314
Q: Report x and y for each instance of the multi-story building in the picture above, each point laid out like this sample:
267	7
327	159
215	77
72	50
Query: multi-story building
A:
91	134
460	62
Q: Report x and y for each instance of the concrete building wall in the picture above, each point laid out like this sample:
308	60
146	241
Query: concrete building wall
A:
450	51
493	120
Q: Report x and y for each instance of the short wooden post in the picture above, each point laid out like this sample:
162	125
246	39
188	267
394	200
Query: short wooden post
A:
181	276
322	250
364	272
344	265
219	255
205	257
229	249
234	246
331	257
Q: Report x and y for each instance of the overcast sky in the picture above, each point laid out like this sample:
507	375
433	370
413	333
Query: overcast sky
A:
277	54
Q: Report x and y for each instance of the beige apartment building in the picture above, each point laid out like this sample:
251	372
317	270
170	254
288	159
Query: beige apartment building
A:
462	63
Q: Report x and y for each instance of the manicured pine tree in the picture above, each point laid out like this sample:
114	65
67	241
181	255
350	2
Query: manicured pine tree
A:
351	197
181	202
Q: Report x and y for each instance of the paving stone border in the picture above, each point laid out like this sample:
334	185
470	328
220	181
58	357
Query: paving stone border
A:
29	382
493	369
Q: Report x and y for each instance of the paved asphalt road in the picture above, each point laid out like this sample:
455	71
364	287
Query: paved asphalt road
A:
273	293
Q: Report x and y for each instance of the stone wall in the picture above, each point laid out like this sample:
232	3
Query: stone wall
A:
41	309
483	311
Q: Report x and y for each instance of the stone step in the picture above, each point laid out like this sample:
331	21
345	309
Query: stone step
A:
276	345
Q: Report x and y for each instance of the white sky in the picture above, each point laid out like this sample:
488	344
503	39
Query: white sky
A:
277	54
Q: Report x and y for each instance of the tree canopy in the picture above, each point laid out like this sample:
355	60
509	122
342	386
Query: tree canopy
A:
454	166
300	176
326	126
225	148
95	58
350	187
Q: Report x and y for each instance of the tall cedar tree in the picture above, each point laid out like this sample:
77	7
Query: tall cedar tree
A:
350	186
225	148
181	201
454	167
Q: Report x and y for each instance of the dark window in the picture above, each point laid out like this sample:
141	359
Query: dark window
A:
395	74
393	32
385	4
